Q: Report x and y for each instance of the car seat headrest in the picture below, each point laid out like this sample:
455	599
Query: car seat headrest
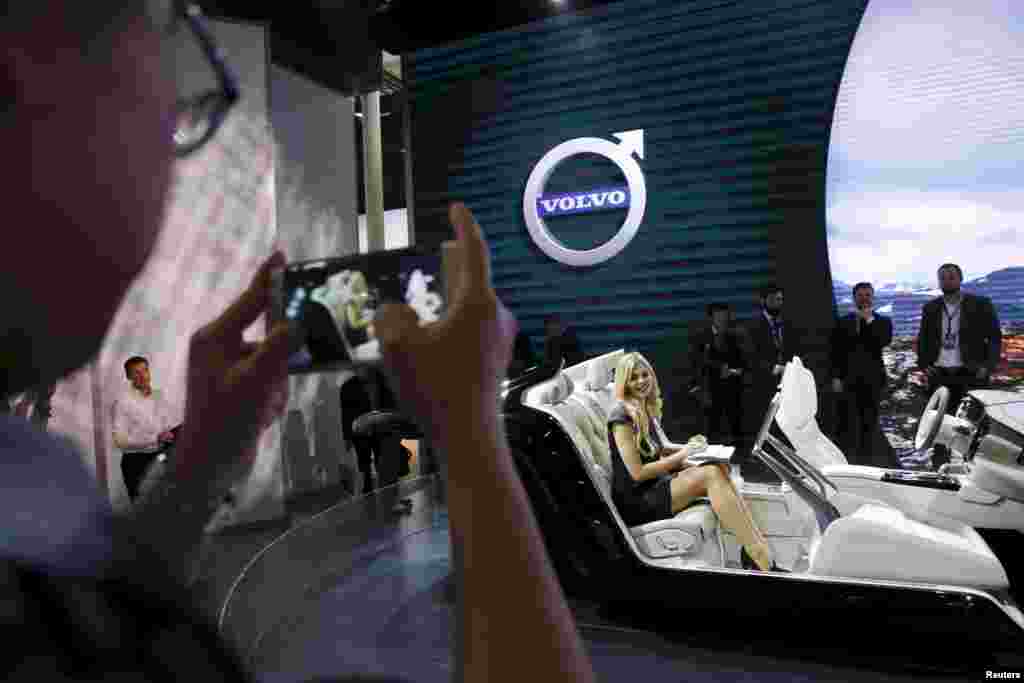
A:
799	403
558	389
601	371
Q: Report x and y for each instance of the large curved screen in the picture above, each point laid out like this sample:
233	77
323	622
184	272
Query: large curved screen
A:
926	154
924	169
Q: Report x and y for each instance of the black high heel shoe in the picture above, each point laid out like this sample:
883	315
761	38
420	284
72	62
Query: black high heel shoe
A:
748	563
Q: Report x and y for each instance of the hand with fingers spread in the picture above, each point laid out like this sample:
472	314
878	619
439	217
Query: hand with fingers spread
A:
232	385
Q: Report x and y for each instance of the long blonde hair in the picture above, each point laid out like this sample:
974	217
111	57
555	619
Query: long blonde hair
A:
358	291
641	411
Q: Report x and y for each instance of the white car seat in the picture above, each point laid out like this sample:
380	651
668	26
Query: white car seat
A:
688	539
797	417
880	542
872	540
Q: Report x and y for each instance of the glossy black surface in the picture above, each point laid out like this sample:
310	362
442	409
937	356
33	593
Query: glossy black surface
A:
361	588
928	480
595	563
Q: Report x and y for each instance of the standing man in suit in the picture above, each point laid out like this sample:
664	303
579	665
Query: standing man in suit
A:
719	361
859	372
959	343
770	345
561	343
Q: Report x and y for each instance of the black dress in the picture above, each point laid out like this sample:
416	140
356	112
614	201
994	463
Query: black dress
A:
638	502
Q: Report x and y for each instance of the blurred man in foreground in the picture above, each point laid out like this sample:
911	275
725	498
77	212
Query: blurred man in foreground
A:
92	125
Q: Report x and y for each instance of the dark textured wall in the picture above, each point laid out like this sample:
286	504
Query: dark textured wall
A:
736	103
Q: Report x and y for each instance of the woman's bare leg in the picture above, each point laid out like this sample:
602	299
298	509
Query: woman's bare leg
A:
743	503
725	501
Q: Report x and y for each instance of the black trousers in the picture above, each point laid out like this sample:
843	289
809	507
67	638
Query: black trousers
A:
386	454
725	406
858	421
133	469
959	381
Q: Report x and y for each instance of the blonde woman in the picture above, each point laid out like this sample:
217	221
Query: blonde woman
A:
357	318
652	479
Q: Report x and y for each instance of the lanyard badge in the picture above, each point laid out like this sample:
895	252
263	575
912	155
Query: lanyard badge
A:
951	338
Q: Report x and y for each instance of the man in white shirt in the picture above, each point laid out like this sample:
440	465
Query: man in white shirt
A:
959	344
142	424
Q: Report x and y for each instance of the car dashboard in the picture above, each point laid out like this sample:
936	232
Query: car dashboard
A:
981	432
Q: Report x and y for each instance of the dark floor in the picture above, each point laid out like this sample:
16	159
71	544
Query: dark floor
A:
381	601
226	553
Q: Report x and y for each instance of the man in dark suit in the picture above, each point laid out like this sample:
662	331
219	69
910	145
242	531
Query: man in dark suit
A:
561	343
770	345
523	357
858	373
959	343
719	360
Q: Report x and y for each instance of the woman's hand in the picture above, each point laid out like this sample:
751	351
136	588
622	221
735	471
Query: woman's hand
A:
696	444
678	460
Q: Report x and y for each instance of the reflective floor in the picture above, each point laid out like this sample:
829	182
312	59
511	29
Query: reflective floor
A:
364	587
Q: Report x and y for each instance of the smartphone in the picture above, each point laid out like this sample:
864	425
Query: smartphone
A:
332	302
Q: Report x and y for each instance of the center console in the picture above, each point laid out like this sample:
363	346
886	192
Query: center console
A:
929	480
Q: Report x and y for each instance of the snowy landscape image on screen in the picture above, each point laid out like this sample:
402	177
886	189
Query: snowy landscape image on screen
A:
924	168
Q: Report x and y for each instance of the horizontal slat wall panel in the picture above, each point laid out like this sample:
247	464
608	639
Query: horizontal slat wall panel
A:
735	100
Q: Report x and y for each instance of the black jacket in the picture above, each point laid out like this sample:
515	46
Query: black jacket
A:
981	340
763	355
707	360
565	346
856	349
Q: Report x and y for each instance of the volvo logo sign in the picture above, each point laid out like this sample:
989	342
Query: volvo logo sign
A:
565	204
537	206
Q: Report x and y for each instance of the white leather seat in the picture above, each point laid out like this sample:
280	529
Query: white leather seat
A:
873	540
797	417
688	538
879	542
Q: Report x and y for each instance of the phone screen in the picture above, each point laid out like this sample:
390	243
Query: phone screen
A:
332	303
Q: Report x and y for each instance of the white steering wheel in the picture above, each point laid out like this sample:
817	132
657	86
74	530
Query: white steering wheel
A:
931	419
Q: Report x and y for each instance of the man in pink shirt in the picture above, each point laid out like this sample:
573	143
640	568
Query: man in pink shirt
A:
142	424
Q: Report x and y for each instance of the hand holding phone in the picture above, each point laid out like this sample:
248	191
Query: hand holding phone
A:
333	303
447	373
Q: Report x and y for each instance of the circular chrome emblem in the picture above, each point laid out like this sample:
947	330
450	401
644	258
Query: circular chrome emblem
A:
619	154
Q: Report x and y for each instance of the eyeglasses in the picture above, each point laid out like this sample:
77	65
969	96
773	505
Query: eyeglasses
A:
200	116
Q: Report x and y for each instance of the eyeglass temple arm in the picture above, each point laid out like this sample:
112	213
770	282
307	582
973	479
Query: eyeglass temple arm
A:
192	14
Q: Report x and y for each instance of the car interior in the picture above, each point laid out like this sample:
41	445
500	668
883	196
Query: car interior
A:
815	528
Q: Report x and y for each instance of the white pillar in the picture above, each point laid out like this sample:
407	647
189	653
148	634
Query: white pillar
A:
373	172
